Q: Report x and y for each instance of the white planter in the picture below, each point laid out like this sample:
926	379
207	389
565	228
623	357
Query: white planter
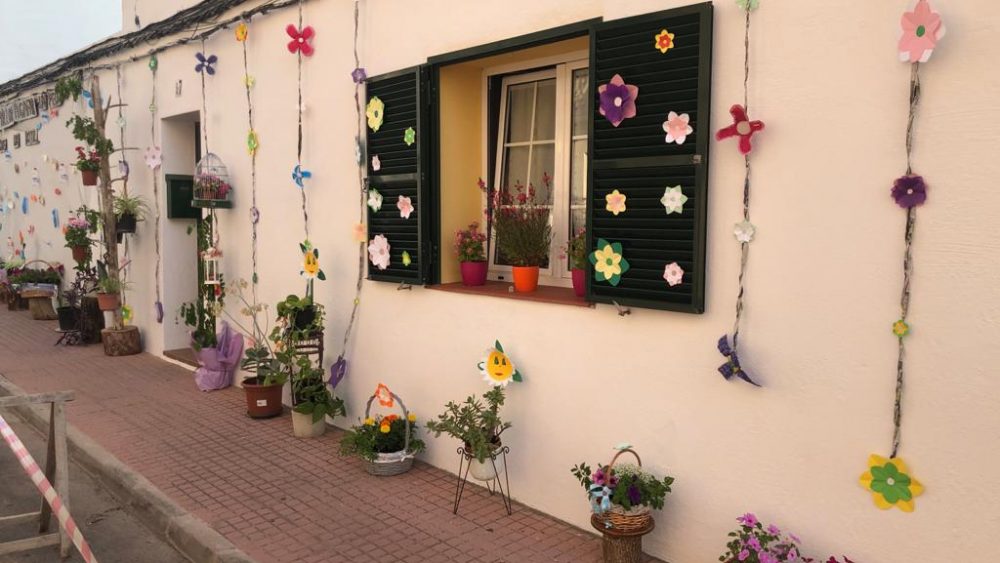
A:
485	471
303	426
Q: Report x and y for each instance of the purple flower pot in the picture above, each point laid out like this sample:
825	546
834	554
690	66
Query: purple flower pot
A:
579	282
474	273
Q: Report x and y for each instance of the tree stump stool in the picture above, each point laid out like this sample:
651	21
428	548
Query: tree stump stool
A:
124	342
40	304
91	320
620	546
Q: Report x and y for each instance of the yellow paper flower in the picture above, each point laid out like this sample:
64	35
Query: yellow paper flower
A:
375	113
385	428
249	80
616	202
900	328
242	32
890	483
664	41
411	417
609	262
369	421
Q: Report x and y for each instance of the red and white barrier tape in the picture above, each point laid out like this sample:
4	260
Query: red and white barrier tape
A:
44	487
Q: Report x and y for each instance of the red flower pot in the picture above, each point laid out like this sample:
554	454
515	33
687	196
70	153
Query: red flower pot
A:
108	301
80	253
474	273
89	177
579	282
525	278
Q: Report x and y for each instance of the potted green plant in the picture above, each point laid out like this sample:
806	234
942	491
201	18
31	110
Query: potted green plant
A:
312	401
109	293
88	162
69	309
301	312
128	211
523	234
78	231
263	389
469	245
623	495
478	426
576	252
387	443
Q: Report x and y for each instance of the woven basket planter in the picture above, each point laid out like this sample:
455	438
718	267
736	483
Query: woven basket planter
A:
392	463
620	519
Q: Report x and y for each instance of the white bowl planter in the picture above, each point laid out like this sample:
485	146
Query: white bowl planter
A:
304	427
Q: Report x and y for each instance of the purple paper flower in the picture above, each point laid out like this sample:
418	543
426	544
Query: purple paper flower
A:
359	75
617	100
634	494
909	191
337	372
732	365
205	63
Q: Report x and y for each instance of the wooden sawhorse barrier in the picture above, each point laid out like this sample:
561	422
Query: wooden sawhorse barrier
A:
56	475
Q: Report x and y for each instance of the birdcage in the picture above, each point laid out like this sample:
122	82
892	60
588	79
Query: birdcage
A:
211	184
210	262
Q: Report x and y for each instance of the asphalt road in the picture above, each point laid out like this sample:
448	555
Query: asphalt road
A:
114	535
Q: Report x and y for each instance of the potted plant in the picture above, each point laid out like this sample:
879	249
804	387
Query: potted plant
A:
387	443
109	292
78	231
312	401
478	426
576	253
302	314
752	542
128	211
469	245
211	187
523	234
623	495
69	310
88	162
263	389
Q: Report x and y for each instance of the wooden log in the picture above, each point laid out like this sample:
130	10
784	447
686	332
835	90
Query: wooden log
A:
621	546
41	306
91	320
124	342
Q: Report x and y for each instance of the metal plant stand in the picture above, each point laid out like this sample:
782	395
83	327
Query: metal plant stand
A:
493	486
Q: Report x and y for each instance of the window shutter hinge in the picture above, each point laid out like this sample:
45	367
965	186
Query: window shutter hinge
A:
696	159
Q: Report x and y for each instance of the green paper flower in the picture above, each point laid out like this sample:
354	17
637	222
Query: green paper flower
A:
900	328
609	264
253	142
153	63
748	5
890	483
409	136
407	261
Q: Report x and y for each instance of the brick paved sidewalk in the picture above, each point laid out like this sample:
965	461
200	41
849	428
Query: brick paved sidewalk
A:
277	498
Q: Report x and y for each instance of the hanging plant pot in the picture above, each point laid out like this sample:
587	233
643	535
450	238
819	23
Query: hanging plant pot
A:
525	278
474	273
579	282
125	223
67	317
89	177
109	301
305	317
80	253
211	184
263	401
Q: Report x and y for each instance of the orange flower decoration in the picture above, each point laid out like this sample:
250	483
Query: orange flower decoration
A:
242	32
384	396
664	41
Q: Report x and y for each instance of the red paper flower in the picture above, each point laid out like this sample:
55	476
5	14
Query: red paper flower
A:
301	39
742	127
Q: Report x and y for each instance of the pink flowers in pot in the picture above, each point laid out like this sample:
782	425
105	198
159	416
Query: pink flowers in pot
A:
752	542
208	186
469	244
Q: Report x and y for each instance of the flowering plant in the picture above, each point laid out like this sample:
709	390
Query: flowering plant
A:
522	226
77	229
381	435
752	542
469	244
624	485
209	186
87	160
576	250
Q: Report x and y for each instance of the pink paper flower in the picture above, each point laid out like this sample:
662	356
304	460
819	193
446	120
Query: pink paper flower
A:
301	39
615	202
673	274
742	127
677	127
378	252
922	28
405	207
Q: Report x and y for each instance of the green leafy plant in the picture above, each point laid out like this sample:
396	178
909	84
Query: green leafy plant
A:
300	318
380	435
476	424
630	485
131	205
85	129
112	285
78	230
576	250
68	87
523	233
310	394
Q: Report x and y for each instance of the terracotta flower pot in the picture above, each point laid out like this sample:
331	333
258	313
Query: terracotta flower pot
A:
474	273
525	278
109	301
263	401
80	253
89	177
579	282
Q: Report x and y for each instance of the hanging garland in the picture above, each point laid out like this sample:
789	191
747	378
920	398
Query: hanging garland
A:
123	171
744	129
152	159
300	45
253	144
889	480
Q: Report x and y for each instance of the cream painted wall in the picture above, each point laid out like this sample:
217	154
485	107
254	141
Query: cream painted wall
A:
824	275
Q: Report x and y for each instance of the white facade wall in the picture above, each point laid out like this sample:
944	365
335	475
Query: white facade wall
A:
824	276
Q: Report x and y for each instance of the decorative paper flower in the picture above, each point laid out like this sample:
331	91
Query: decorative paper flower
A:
742	127
242	31
360	233
384	396
664	41
409	136
673	273
254	215
153	157
890	483
249	81
300	175
732	366
301	39
748	5
922	28
357	150
127	314
677	127
378	252
609	264
153	63
359	75
376	163
310	262
205	63
253	142
407	261
337	372
497	368
744	231
909	191
900	328
673	199
375	113
615	202
617	100
374	200
405	206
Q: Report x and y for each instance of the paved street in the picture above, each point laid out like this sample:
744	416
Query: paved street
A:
277	498
113	533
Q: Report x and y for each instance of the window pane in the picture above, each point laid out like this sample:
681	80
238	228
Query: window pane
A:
545	111
543	158
578	178
520	100
515	170
581	99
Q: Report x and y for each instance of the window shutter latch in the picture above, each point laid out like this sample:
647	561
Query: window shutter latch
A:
696	159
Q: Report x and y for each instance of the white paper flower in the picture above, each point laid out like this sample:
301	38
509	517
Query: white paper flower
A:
374	200
744	231
153	157
677	127
673	200
405	207
673	274
357	150
378	252
376	163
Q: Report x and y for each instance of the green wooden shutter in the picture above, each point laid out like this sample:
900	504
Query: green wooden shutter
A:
403	172
635	159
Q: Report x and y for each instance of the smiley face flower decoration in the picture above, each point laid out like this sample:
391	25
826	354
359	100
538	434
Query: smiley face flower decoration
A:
497	368
301	39
310	262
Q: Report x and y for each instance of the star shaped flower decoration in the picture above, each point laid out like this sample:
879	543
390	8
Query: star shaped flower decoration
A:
742	127
253	142
310	262
407	260
378	252
384	396
617	100
405	206
242	31
890	483
900	328
153	157
673	199
748	5
409	136
664	41
359	75
673	274
374	200
615	202
609	262
677	127
359	232
744	231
